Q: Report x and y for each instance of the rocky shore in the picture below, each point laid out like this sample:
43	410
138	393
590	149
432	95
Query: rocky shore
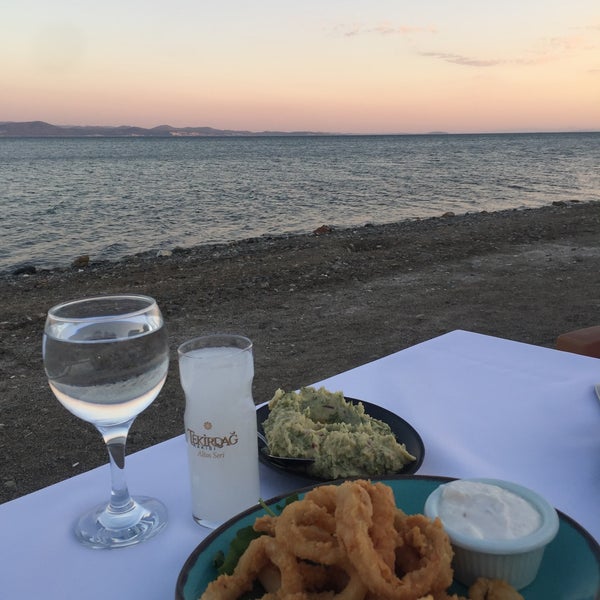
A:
314	305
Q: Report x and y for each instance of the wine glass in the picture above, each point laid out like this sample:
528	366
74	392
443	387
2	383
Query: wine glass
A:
106	359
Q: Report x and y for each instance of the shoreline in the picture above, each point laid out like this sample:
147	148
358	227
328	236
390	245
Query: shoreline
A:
85	261
314	306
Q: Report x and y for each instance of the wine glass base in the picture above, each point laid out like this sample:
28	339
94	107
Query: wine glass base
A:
99	528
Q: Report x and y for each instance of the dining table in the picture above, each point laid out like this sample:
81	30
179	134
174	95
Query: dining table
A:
484	407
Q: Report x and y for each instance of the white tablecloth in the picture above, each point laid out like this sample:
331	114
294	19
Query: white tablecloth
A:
483	406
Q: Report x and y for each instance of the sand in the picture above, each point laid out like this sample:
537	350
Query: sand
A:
314	306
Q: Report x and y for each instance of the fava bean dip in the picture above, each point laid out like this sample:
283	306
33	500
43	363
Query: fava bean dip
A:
339	435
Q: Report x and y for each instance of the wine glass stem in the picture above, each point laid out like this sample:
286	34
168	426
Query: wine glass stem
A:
116	439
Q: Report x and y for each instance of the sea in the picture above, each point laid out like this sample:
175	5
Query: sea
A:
109	198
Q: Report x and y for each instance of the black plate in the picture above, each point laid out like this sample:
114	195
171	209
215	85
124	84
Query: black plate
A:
405	434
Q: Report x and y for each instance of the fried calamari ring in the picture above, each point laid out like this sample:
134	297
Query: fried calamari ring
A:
308	531
261	553
493	589
355	588
317	576
355	517
265	524
324	495
384	513
425	546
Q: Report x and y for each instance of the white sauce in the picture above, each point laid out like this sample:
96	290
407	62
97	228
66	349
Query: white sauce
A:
486	511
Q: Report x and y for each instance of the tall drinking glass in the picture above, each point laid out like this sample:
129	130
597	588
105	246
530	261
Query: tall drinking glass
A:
216	374
106	359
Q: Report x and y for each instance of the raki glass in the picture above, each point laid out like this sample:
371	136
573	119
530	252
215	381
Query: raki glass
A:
106	359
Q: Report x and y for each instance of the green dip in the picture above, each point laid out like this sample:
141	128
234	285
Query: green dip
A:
339	435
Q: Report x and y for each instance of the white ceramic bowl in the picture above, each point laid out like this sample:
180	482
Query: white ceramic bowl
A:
515	560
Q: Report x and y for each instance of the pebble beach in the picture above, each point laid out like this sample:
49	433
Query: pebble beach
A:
314	305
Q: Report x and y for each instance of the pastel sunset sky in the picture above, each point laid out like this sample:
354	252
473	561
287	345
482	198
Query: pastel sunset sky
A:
348	66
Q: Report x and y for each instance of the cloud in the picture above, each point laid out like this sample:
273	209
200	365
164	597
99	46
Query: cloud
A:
568	43
383	29
546	50
467	61
470	61
593	27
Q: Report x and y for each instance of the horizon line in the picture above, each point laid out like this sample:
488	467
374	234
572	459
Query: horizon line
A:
220	132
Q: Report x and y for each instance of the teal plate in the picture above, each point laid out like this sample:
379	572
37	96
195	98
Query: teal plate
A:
570	568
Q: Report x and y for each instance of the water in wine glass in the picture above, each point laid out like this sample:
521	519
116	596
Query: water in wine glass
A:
106	373
107	359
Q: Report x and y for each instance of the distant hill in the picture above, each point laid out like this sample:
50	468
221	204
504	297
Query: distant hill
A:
42	129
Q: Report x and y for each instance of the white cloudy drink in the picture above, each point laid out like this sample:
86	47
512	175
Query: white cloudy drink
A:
220	426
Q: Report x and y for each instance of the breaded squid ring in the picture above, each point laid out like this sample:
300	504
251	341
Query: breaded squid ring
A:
265	524
261	552
354	514
354	589
384	512
307	531
493	589
324	495
430	547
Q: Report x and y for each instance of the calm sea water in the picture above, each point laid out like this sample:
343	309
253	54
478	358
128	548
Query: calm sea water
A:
60	198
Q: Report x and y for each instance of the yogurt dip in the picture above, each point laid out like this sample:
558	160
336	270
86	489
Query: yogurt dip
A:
498	529
486	511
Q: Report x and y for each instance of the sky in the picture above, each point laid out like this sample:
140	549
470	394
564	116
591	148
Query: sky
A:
343	66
